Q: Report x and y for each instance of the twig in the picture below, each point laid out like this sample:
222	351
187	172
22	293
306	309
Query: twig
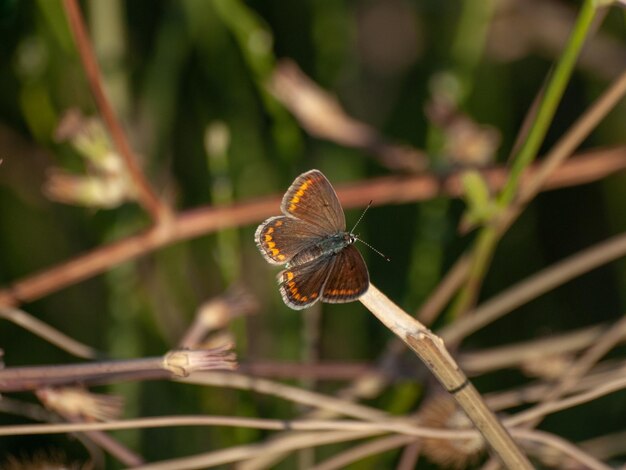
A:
200	221
563	148
397	426
287	392
511	355
606	446
536	285
587	360
146	195
543	409
114	447
489	235
432	352
351	430
239	453
50	334
217	313
567	448
534	393
358	452
410	456
321	115
323	370
444	291
173	364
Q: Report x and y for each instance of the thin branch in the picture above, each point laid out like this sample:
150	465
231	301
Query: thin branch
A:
145	193
48	333
244	452
535	392
558	443
348	430
201	221
536	285
552	165
410	456
565	147
235	421
550	99
587	360
287	392
173	364
321	115
512	355
489	236
358	452
323	370
444	291
543	409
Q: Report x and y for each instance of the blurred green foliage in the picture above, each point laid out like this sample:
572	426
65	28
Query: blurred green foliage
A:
177	70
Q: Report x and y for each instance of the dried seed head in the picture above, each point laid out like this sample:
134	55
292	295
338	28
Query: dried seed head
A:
217	313
106	183
217	340
183	362
78	402
95	191
442	412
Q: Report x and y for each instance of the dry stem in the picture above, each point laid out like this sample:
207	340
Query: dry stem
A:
193	223
146	195
433	353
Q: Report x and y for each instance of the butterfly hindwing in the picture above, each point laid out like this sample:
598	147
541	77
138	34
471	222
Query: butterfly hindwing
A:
301	286
311	198
348	278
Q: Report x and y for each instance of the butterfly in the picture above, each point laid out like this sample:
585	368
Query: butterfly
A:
310	239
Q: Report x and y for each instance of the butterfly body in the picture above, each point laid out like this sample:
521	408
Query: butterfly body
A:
328	246
311	241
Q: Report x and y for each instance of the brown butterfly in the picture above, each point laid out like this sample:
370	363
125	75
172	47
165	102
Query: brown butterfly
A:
311	241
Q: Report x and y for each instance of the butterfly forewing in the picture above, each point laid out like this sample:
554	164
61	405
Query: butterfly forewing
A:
280	238
301	286
348	278
312	198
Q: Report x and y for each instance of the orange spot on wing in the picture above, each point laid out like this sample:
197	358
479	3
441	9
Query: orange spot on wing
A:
277	224
293	203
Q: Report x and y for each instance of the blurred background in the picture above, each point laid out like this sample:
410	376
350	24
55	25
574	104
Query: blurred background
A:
203	91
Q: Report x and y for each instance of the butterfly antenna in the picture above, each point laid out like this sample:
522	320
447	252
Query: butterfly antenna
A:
374	249
367	244
364	211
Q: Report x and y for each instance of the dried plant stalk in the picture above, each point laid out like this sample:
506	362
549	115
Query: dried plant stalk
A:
431	350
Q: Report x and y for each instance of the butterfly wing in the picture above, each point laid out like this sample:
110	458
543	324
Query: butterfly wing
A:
348	278
301	285
312	198
280	238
